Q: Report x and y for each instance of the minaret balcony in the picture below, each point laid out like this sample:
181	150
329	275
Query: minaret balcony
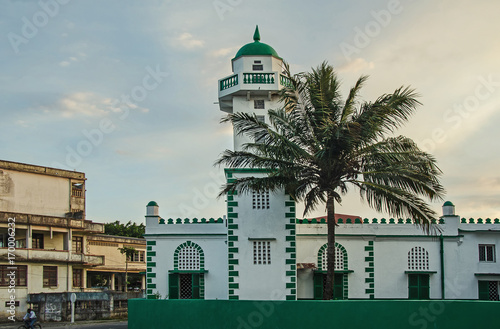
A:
259	83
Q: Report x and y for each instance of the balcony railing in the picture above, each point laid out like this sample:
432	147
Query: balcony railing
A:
285	81
47	256
229	82
264	78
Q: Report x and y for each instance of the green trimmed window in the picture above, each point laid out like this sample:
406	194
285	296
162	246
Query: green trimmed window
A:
487	253
184	285
488	290
418	286
320	283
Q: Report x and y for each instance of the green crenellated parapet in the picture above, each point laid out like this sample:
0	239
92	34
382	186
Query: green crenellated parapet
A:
408	221
471	220
391	221
178	221
348	221
488	220
314	221
374	221
479	221
366	221
497	221
203	220
186	221
383	221
400	221
340	221
162	221
170	221
357	221
211	220
323	221
195	220
463	220
441	220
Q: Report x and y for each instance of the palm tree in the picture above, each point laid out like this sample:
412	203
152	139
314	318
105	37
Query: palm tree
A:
317	146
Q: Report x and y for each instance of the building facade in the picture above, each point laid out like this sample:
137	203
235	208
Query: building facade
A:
261	251
46	244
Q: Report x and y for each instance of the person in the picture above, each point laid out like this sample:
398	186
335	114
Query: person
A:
29	318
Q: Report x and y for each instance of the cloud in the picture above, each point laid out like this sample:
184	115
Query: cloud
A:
355	65
186	40
222	52
87	104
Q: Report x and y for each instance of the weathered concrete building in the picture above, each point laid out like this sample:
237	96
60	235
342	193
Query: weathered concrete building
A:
48	247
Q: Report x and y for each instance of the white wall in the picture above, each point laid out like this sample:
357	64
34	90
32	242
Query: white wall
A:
30	193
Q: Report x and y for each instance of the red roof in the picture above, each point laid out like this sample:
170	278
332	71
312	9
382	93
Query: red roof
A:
337	216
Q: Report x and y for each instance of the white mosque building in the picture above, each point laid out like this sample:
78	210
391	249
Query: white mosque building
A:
261	251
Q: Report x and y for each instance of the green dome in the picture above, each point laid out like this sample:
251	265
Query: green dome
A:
448	203
152	203
256	48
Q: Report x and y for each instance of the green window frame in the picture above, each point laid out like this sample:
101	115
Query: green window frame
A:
174	286
338	285
488	290
418	286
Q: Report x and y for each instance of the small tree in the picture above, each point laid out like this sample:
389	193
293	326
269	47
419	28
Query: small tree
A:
129	252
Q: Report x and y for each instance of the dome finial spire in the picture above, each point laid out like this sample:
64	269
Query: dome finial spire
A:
256	35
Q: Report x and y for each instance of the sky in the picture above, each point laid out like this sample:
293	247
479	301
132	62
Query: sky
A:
126	91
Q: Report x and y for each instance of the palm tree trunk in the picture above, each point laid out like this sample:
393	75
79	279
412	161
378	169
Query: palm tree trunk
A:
330	250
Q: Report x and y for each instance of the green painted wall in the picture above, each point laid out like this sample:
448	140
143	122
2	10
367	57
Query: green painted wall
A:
386	314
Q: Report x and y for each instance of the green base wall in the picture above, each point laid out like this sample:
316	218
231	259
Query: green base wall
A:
386	314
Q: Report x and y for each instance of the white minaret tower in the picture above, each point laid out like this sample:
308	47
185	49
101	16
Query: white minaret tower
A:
253	87
261	226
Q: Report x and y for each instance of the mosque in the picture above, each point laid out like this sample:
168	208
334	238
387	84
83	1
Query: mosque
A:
261	251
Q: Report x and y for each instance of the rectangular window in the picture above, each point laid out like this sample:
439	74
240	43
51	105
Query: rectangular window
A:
21	243
418	286
137	256
50	276
77	190
262	252
487	253
17	272
184	285
37	241
488	290
260	200
77	244
258	67
259	104
77	278
320	284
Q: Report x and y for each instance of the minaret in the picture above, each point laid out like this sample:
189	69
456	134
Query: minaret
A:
261	226
254	85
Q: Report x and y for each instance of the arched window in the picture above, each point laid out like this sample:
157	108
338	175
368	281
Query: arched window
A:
340	257
418	259
340	287
186	281
188	259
